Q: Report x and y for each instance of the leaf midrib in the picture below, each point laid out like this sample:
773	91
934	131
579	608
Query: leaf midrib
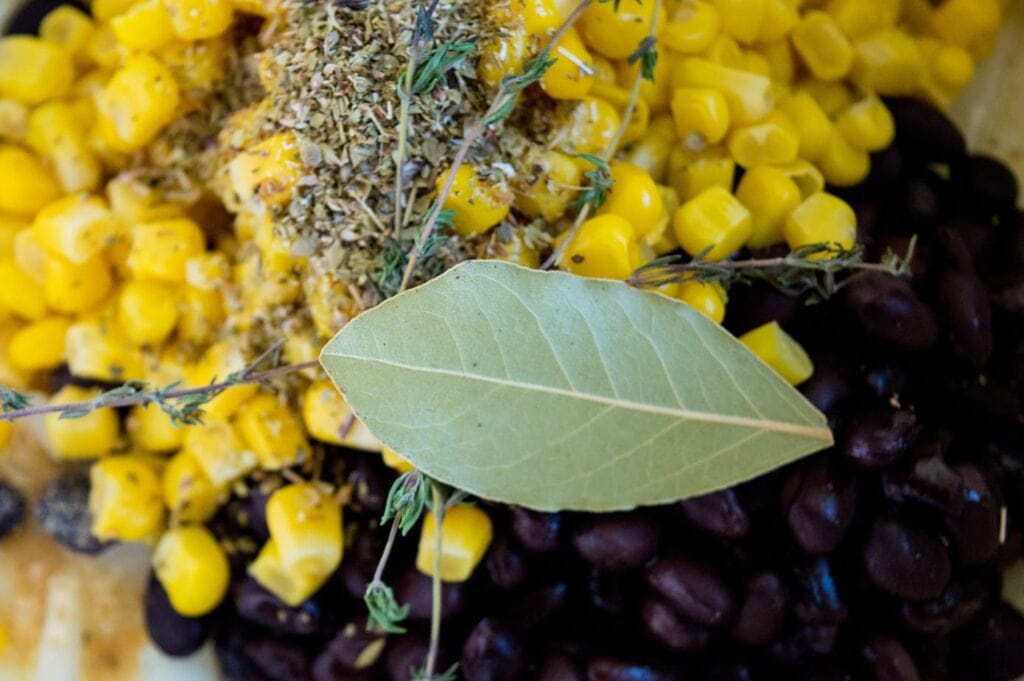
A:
812	432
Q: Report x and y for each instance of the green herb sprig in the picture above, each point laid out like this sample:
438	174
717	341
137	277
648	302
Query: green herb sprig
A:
647	55
596	192
442	59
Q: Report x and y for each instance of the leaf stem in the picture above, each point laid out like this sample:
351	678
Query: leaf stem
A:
378	574
435	603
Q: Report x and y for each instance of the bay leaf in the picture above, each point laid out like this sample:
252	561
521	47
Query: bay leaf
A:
553	391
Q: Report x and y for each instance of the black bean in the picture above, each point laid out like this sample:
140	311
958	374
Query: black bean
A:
172	633
405	655
920	201
609	592
506	564
255	604
757	304
927	480
229	647
1001	643
730	671
414	589
889	660
953	247
886	168
351	649
558	666
696	590
370	481
276	659
616	542
819	639
889	309
828	388
719	513
762	612
667	628
925	132
968	315
879	437
886	380
988	185
249	513
816	595
538	605
959	603
607	668
360	561
12	509
906	562
537	532
492	652
819	504
975	529
63	512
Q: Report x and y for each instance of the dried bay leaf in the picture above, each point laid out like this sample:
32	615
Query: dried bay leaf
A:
556	392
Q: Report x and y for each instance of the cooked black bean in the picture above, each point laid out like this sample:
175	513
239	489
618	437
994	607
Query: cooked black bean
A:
885	380
959	603
276	659
537	532
353	648
719	513
816	597
610	592
506	564
987	185
906	562
925	132
606	668
730	671
696	590
879	437
828	388
968	315
63	512
886	169
928	480
920	201
257	605
889	660
757	304
559	666
360	561
172	633
762	612
975	529
819	504
414	589
492	652
889	309
1001	643
668	628
538	605
370	482
12	509
616	542
405	655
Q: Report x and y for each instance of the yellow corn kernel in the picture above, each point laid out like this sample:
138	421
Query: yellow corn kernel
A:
25	184
691	27
270	170
86	437
604	247
103	50
477	207
55	131
707	298
221	359
549	194
466	533
780	17
138	101
859	18
615	29
541	16
76	287
193	569
271	429
888	62
263	8
844	165
198	19
781	62
651	152
755	62
200	315
725	51
160	249
198	66
133	200
190	496
590	126
691	174
780	351
832	97
604	71
13	119
39	346
75	228
806	176
634	196
822	46
701	116
867	124
657	93
741	19
663	239
33	70
9	229
749	95
305	522
20	293
964	22
145	26
714	224
125	498
68	27
207	271
951	67
500	56
219	451
396	461
96	349
572	75
105	10
30	255
821	218
514	248
810	120
328	418
288	585
6	433
152	430
147	311
770	195
773	140
9	375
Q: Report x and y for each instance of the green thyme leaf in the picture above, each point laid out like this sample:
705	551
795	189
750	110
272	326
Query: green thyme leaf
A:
12	399
600	183
384	612
442	59
647	56
408	497
559	392
450	674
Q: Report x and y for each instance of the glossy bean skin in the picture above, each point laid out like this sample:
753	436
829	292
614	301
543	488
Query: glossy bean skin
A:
999	644
607	668
257	605
370	484
506	564
906	562
12	509
277	660
719	513
889	660
968	315
694	589
987	186
404	655
610	593
889	309
817	598
173	634
666	627
537	532
975	529
925	132
762	612
560	667
828	388
616	542
539	605
878	438
956	607
414	589
492	652
926	480
819	504
352	649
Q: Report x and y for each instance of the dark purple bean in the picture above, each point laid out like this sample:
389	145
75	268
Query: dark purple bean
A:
956	607
229	647
988	185
1001	643
63	512
968	314
818	639
360	561
277	660
719	513
414	589
730	671
405	655
493	652
925	132
927	480
975	529
886	168
539	605
12	509
255	604
757	304
889	660
616	542
886	380
506	564
828	388
370	482
609	592
537	532
607	668
878	437
819	505
668	629
817	599
762	613
560	667
920	201
888	308
954	249
906	562
352	649
695	589
173	634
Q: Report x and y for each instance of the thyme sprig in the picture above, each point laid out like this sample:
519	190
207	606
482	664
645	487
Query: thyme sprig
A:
647	55
12	400
600	176
450	674
442	59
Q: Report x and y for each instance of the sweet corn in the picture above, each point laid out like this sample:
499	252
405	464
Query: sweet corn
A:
198	19
842	164
755	62
160	250
707	298
572	74
635	197
144	26
777	349
197	66
513	248
725	51
590	126
193	569
780	59
651	152
770	195
219	451
68	27
822	46
39	346
9	375
152	430
964	22
466	533
657	93
814	126
13	119
500	56
549	194
56	132
663	239
691	27
328	418
30	255
207	271
867	124
773	140
749	96
147	312
103	50
701	116
951	67
860	18
75	228
97	349
20	293
25	184
615	29
742	19
200	315
33	70
691	174
189	495
780	17
271	430
138	101
396	461
221	360
477	207
806	176
832	97
290	586
6	433
268	171
888	62
105	10
76	287
713	224
125	498
821	218
305	522
540	16
604	247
